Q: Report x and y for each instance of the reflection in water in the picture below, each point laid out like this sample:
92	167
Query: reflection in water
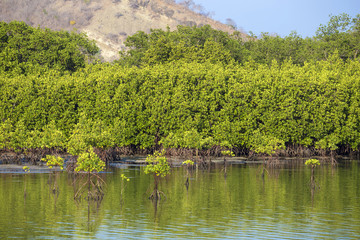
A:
89	186
240	205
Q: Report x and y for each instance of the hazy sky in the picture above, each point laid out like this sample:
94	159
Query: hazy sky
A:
279	16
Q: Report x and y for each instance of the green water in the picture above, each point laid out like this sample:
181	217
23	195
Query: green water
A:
242	205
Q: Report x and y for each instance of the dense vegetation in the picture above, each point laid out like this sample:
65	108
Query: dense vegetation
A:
24	49
341	34
194	88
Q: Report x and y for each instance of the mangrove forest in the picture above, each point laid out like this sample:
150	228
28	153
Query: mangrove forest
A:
194	90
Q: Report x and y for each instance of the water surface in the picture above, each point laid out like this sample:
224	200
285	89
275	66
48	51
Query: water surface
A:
240	205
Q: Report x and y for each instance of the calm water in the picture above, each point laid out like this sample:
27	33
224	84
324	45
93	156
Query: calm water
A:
242	205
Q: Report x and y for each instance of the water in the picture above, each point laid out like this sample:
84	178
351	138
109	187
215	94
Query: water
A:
242	205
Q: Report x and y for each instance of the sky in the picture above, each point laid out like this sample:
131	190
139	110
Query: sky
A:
279	17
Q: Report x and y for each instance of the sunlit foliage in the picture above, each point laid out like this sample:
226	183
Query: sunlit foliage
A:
194	88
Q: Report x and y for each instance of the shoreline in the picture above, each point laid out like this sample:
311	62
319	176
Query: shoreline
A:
139	160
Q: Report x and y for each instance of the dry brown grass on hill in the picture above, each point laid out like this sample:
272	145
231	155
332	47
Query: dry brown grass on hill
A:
108	22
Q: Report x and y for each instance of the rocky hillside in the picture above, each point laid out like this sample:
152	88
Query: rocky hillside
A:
108	22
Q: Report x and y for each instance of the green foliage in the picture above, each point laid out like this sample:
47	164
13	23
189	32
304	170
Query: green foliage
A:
89	133
188	92
336	25
53	161
199	44
204	44
188	162
312	162
157	164
89	162
228	153
188	139
264	144
25	50
76	144
6	128
124	178
185	105
52	137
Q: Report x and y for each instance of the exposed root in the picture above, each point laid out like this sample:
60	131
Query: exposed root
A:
94	186
156	195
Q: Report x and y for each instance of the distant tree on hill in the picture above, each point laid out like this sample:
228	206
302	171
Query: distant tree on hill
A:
185	43
231	23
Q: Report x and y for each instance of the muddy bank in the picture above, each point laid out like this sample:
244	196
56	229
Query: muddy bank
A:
14	168
119	156
138	160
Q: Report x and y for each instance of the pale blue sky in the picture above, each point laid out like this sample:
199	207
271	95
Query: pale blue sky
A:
279	16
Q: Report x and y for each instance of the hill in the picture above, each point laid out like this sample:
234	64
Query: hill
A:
108	22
